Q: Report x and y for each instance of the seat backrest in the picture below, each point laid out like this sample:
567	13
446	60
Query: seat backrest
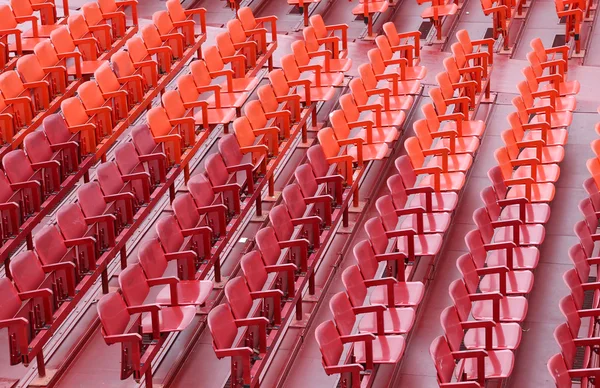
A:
267	243
342	312
107	6
109	178
465	40
537	46
579	259
162	21
255	113
495	175
176	11
306	180
510	141
515	125
406	171
592	191
229	149
452	327
349	108
151	36
300	53
137	48
467	269
26	270
376	60
73	111
329	342
17	167
572	281
142	139
484	224
569	310
391	33
152	258
365	257
5	190
213	59
21	8
11	84
49	245
77	26
158	121
169	233
442	358
367	75
46	53
476	248
133	284
585	239
222	326
243	131
90	95
359	92
563	337
62	41
282	222
317	22
310	38
92	13
224	44
247	18
113	314
587	209
354	285
593	166
254	270
460	296
201	190
294	200
185	211
397	191
106	78
422	132
30	69
173	104
126	157
376	233
279	83
216	170
71	221
488	197
414	151
267	98
290	67
238	296
122	64
383	44
387	211
559	371
91	200
339	124
328	142
7	17
56	129
445	85
10	302
236	30
187	88
200	73
37	147
317	160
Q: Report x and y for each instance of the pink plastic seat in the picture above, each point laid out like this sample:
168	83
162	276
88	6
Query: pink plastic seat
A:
508	230
411	217
257	273
520	188
506	254
503	209
494	279
490	306
440	201
405	293
241	298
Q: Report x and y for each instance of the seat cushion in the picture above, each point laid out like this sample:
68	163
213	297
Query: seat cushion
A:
241	84
550	154
553	137
498	365
188	292
544	172
432	222
532	234
451	181
425	244
215	116
461	162
558	120
523	258
389	118
395	321
517	282
540	192
378	134
396	102
405	294
469	128
504	336
462	145
443	10
171	319
512	309
440	202
535	213
370	151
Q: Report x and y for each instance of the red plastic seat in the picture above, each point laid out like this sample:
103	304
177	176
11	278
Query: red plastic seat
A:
513	230
507	253
547	98
436	158
173	238
395	320
453	122
445	140
440	201
298	205
328	64
437	178
382	349
407	51
240	299
216	66
489	306
445	364
555	81
388	103
319	88
94	203
404	293
320	34
359	151
367	130
498	362
518	208
384	121
33	73
257	273
494	279
222	96
19	169
539	131
370	77
410	217
112	181
563	376
52	248
569	347
520	188
74	224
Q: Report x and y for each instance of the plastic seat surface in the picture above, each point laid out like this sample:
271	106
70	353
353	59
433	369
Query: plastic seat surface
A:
395	321
442	10
171	319
372	7
425	244
523	258
469	128
512	309
528	234
405	294
449	181
498	365
540	192
432	222
386	350
505	335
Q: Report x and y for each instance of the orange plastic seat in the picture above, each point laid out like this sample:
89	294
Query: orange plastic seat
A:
86	60
177	107
154	39
320	34
444	140
202	80
381	131
79	29
438	158
258	26
216	67
371	76
111	8
436	11
557	77
520	188
453	122
550	98
162	126
10	27
166	28
140	53
328	64
525	167
409	71
126	69
539	131
359	151
388	103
